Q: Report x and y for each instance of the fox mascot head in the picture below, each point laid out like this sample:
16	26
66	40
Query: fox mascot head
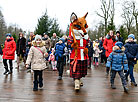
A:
78	28
78	25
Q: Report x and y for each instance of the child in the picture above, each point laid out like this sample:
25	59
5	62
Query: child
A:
132	56
96	54
59	56
36	58
9	53
52	59
118	61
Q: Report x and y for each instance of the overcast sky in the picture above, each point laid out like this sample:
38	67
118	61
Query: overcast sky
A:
25	13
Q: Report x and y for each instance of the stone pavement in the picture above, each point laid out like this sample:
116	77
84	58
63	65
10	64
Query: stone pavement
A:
18	88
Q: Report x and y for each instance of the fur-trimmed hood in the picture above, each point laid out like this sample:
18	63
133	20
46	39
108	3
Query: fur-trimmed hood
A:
115	49
135	40
40	45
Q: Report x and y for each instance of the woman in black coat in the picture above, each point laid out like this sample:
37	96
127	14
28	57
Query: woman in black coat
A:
21	48
90	52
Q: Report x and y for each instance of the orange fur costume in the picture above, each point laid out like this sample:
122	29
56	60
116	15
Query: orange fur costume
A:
78	40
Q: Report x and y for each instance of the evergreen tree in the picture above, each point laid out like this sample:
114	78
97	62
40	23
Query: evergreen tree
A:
47	25
43	25
123	32
55	28
111	26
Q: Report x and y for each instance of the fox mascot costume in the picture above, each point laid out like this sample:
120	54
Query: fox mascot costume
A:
78	40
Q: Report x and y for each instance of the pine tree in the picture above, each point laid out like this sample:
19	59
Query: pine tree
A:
47	25
123	32
55	28
43	25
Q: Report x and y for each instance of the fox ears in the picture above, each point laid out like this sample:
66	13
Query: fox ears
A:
74	17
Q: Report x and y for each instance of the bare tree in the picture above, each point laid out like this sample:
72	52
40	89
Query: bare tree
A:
108	12
128	15
112	12
135	14
2	27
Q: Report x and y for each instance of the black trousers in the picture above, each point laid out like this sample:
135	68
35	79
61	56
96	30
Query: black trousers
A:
90	60
5	63
103	58
38	76
60	67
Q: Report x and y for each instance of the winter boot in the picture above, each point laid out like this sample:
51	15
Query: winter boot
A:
35	86
41	83
77	84
10	72
113	86
60	78
81	83
134	84
93	63
6	70
97	63
126	89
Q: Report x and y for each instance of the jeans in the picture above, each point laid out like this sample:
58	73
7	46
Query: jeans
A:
121	74
130	71
95	59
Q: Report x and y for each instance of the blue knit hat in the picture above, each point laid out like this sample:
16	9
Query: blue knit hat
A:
119	44
131	36
62	39
8	34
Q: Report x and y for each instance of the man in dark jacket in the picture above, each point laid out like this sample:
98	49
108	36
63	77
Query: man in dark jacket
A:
131	50
21	48
54	40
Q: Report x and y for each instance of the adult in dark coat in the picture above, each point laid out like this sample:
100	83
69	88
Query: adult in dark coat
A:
131	50
103	57
90	52
119	38
21	48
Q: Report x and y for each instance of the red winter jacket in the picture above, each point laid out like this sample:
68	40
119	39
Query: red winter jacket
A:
9	49
108	45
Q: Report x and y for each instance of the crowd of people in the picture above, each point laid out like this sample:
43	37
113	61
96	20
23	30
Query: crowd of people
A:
38	52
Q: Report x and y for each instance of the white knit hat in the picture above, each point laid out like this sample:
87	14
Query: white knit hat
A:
38	37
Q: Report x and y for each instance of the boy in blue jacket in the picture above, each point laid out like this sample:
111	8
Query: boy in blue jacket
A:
118	62
59	56
131	50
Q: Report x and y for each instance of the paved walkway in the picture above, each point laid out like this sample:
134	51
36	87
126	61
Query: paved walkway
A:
18	88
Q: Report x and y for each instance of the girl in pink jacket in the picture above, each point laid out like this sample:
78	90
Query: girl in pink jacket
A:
52	59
